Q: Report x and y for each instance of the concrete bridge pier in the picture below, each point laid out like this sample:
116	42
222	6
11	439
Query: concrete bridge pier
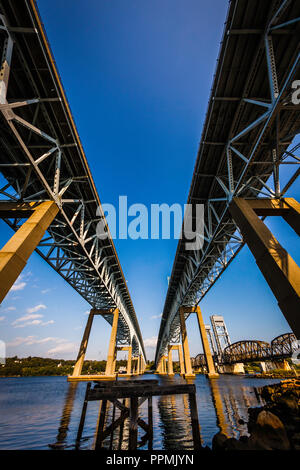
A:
170	361
83	346
284	365
135	365
237	368
110	370
205	344
263	367
129	359
175	347
138	367
161	369
185	345
142	368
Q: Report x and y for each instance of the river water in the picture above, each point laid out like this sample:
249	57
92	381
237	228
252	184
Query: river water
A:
38	411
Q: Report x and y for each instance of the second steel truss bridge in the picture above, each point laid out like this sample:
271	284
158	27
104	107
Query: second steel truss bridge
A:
281	347
247	137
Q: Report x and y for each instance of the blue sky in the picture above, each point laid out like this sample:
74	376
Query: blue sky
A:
137	74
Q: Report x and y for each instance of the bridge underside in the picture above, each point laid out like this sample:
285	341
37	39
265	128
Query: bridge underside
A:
42	161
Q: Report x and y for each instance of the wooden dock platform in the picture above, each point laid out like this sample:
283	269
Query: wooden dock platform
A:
136	392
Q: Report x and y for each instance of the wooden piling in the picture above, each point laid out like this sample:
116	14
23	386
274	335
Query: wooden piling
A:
83	413
133	426
100	436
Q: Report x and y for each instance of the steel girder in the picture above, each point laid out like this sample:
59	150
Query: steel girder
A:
242	159
42	159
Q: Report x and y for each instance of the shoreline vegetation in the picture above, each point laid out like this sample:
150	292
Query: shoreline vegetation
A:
39	366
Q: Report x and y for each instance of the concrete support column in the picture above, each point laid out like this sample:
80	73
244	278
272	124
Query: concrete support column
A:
83	346
15	254
159	366
206	349
185	345
181	361
277	266
114	362
263	367
142	364
170	361
165	365
238	368
129	360
284	365
109	371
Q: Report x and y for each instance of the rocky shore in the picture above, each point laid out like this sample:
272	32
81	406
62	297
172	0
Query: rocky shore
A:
275	426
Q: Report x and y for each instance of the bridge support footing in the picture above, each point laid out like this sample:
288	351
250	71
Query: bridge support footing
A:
237	368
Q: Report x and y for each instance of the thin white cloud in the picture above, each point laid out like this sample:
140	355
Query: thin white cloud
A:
9	309
64	348
19	340
36	308
31	319
26	318
2	318
156	316
21	282
45	291
30	340
150	342
18	285
49	322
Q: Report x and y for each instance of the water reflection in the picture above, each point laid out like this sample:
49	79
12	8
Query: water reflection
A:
230	399
175	422
30	416
217	400
66	416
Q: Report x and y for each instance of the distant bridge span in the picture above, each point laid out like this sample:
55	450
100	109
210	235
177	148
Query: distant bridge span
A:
42	159
281	347
248	130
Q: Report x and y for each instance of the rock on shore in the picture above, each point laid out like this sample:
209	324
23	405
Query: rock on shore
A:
275	426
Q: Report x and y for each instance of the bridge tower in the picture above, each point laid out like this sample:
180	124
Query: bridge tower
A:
220	332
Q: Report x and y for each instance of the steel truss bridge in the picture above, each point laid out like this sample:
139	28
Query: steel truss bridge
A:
42	158
281	347
247	135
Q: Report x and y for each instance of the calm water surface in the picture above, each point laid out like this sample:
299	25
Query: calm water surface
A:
38	411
